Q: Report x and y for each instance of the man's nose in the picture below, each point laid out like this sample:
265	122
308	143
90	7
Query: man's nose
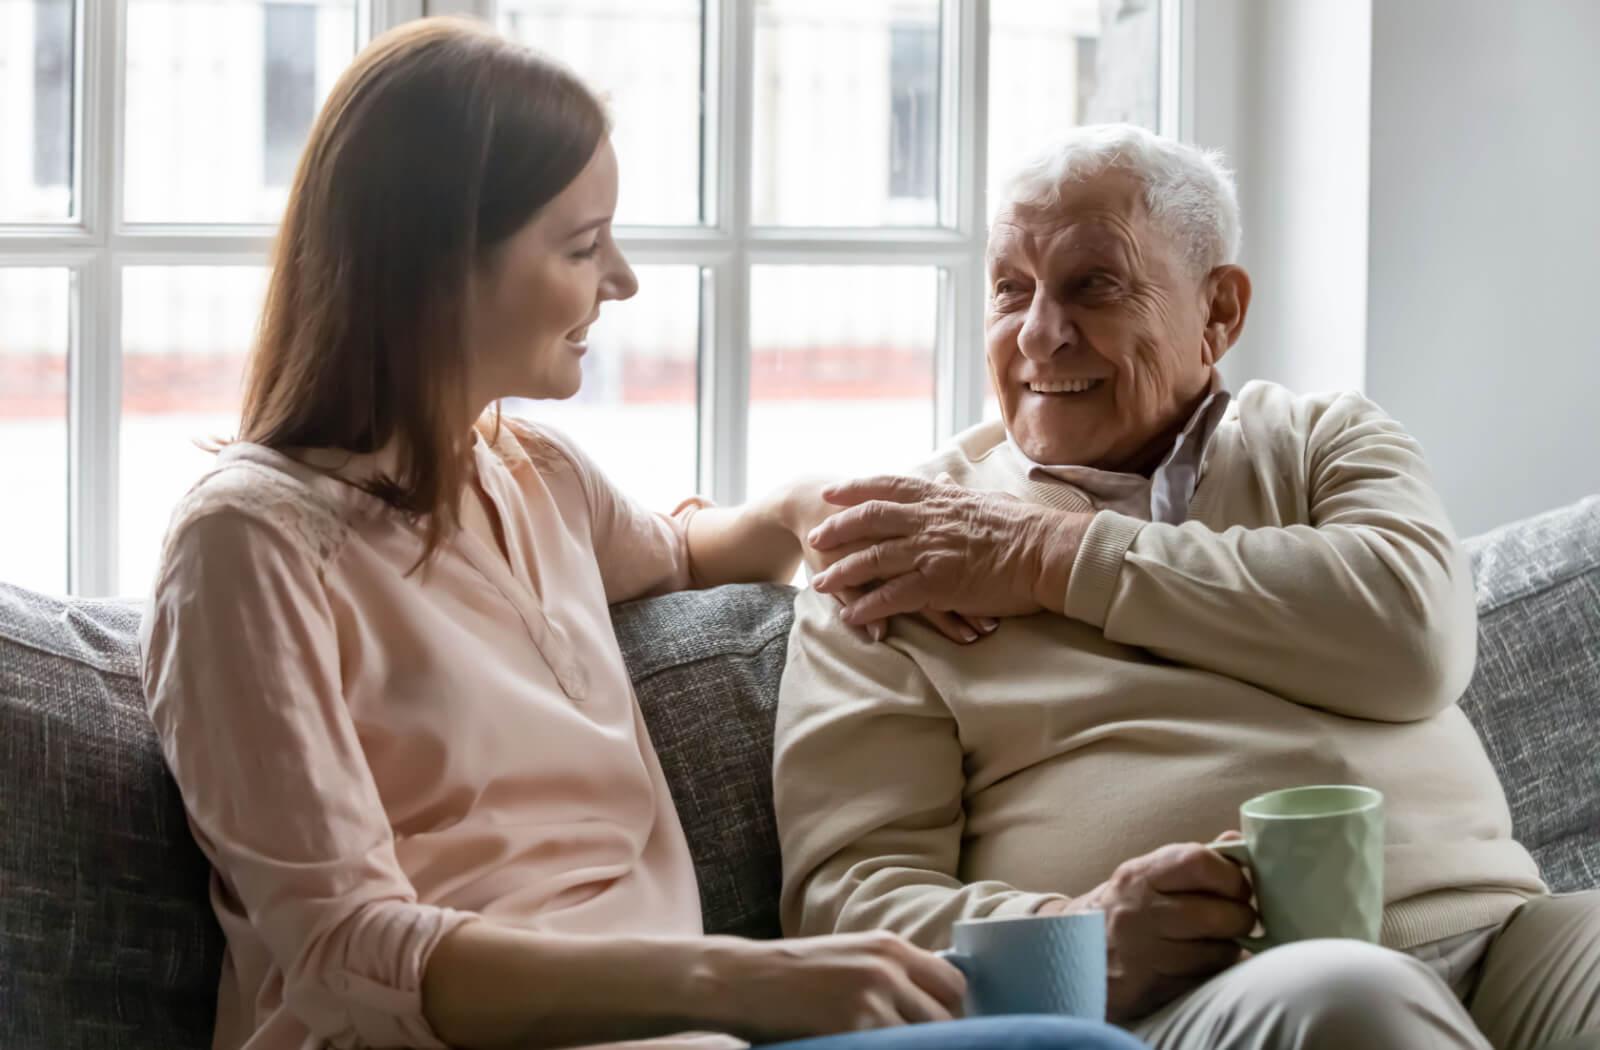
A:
1047	329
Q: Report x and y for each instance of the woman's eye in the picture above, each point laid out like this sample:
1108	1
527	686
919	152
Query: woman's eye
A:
589	252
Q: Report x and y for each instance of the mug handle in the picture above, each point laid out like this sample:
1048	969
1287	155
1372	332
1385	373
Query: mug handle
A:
1237	851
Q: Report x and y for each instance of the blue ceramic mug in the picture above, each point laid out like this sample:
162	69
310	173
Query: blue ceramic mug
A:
1033	964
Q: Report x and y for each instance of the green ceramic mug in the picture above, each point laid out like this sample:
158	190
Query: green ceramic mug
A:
1315	856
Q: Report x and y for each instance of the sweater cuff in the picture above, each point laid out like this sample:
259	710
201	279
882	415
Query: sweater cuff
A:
1098	564
1022	904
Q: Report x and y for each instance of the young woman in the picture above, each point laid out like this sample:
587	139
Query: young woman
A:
379	655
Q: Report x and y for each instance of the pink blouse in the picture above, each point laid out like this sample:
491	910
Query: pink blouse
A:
371	758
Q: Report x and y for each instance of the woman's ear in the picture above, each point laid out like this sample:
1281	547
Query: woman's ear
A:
1227	303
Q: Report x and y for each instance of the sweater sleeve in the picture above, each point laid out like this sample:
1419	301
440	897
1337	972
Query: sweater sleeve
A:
641	552
1365	609
868	788
241	675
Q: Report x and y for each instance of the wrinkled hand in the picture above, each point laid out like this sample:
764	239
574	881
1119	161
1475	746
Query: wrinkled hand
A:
780	990
934	545
1171	917
805	508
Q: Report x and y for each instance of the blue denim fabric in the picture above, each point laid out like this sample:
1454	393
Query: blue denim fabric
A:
1031	1032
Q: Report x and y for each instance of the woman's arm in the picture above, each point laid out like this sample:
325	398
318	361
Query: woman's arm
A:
241	674
758	541
489	987
642	553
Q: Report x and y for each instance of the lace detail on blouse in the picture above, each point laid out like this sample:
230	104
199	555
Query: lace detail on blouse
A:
308	519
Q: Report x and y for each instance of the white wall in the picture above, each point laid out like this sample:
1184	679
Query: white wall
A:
1281	87
1417	179
1485	246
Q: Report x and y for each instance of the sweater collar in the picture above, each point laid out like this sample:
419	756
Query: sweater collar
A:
1164	496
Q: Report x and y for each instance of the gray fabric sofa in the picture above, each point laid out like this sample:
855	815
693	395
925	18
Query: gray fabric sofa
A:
107	940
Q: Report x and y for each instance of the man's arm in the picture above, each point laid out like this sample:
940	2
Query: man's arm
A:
870	777
868	782
1366	611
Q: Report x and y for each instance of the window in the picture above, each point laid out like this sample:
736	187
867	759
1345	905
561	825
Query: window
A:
52	93
289	86
803	196
38	90
34	301
913	109
219	96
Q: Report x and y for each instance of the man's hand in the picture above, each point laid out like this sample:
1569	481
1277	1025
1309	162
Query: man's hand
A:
934	545
802	508
1171	917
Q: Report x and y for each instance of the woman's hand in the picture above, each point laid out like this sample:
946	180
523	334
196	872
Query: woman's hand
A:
803	508
770	991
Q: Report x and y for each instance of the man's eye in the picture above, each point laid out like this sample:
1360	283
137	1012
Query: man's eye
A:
1007	288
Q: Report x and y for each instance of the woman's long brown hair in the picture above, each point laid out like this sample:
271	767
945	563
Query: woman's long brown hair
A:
437	144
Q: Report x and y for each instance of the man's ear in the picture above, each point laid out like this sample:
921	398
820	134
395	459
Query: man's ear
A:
1228	300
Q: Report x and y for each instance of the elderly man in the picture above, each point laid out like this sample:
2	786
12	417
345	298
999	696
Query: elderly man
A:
1209	598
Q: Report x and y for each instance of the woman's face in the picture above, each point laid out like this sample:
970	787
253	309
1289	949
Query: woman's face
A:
534	301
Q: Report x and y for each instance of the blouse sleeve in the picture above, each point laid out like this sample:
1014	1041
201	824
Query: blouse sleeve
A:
641	552
241	674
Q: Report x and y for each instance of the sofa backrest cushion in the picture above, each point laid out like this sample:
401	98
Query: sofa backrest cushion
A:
107	941
1535	696
706	666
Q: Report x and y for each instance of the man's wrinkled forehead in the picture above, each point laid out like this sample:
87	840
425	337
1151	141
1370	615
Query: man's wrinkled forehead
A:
1105	213
1015	239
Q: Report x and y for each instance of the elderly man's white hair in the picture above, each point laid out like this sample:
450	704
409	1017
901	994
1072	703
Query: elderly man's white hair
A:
1189	191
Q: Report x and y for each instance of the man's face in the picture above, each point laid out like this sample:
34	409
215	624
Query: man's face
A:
1096	331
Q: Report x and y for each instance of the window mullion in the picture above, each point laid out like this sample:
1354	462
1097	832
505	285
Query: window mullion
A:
725	355
96	349
960	376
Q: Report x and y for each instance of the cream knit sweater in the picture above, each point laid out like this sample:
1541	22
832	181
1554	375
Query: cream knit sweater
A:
1312	622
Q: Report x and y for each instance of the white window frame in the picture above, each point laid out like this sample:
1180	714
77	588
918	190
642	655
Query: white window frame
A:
97	246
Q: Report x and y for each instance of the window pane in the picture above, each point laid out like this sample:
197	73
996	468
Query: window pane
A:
220	98
36	104
33	427
636	411
644	57
185	332
1068	62
846	113
841	370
